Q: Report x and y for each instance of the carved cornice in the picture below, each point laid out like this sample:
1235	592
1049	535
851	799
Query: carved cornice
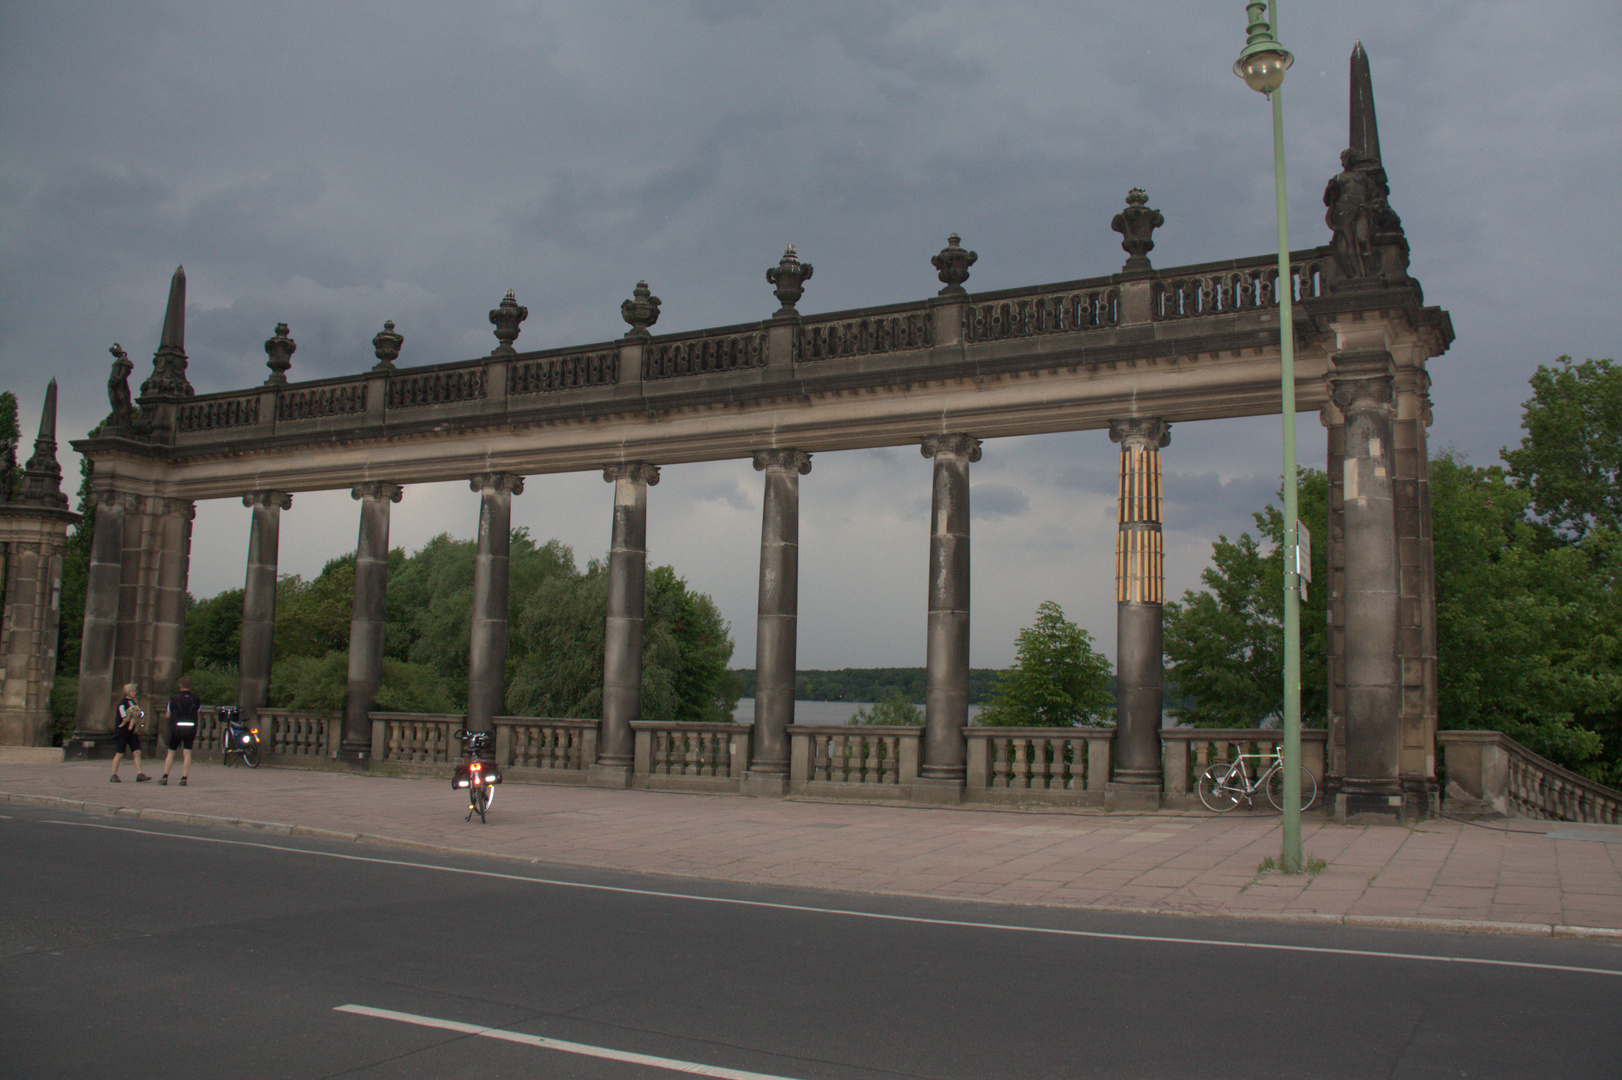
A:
639	471
1140	431
498	483
784	458
377	489
120	500
281	500
952	445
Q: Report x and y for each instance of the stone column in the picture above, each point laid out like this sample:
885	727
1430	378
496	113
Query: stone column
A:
487	647
622	644
1371	700
946	678
259	606
34	538
98	643
169	526
366	620
1140	592
776	624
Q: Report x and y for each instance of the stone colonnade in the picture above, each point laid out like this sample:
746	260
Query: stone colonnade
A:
1383	655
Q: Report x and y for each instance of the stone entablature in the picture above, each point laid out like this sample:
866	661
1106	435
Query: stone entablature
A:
1183	344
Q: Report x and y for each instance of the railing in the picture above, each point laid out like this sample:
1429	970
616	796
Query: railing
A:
1235	288
704	355
693	757
550	374
865	336
284	732
1061	312
442	387
1185	751
1488	772
216	413
343	399
853	762
415	738
564	749
1050	766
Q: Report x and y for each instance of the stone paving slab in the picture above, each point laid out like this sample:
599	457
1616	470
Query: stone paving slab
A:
1506	876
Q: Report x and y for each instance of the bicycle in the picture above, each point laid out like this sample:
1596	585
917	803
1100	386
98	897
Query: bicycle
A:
238	738
479	774
1223	783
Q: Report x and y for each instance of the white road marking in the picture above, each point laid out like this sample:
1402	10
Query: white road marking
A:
692	1068
1156	939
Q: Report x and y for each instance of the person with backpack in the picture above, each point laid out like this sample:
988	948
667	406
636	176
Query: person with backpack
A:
182	714
127	734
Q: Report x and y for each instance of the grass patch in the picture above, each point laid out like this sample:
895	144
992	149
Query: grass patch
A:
1270	865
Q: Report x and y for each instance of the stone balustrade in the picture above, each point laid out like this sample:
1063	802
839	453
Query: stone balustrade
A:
670	756
1049	766
553	751
1487	772
833	760
1185	751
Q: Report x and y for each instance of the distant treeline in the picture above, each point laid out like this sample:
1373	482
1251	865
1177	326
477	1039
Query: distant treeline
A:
872	684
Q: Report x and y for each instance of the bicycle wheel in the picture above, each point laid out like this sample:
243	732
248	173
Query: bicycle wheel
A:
481	801
1218	787
1275	789
225	756
250	755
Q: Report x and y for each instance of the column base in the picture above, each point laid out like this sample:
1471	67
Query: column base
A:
764	785
1371	802
608	776
1121	797
93	747
936	791
355	754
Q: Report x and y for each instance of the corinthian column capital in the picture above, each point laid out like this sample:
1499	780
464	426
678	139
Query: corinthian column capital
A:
951	445
785	458
1144	431
631	470
377	489
498	482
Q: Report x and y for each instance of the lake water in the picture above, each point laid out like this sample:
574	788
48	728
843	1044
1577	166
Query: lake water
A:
819	712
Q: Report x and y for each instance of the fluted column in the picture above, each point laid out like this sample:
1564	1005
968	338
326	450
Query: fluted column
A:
259	605
367	613
622	644
1140	593
1362	388
487	649
946	685
98	644
777	622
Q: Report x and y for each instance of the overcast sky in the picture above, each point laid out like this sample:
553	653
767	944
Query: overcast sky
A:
333	165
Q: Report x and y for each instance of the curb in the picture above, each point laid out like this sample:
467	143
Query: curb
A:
1390	922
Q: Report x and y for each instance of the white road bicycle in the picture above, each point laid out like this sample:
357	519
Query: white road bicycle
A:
1224	783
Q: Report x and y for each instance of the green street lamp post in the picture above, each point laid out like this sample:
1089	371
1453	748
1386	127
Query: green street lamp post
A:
1262	64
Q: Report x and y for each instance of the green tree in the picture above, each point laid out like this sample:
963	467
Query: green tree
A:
1057	679
1570	458
893	710
1526	630
213	636
1225	645
10	472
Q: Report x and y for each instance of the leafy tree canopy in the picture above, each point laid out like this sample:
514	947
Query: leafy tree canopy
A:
1057	679
1570	458
1225	645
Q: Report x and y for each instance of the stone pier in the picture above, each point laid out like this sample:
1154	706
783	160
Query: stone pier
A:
777	622
367	613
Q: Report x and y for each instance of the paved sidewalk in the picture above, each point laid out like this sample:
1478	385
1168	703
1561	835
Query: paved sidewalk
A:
1504	876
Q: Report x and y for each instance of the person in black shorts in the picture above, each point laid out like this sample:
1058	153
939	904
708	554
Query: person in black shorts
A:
127	734
182	714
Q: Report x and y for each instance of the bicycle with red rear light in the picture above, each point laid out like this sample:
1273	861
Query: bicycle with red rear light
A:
479	774
237	737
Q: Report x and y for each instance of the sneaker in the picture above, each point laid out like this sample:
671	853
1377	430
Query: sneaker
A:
141	778
182	781
165	780
113	779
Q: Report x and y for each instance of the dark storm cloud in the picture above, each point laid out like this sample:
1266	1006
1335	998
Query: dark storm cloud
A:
997	501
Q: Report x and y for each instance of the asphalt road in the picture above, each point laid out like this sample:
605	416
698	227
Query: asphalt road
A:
132	949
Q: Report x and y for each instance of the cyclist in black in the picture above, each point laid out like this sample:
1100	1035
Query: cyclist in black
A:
182	713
